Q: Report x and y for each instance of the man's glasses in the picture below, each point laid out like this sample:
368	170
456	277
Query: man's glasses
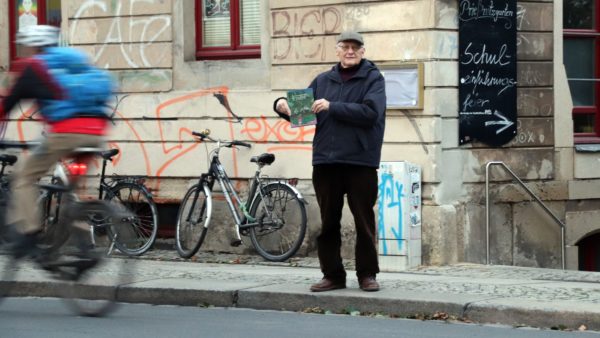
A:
346	48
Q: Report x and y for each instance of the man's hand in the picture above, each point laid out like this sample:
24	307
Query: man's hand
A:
320	105
283	107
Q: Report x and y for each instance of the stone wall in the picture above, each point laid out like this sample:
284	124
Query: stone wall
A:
165	94
4	50
458	193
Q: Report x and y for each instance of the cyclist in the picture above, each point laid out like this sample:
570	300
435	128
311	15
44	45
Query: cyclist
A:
71	95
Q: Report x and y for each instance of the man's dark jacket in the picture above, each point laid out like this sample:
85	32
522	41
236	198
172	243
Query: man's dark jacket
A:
351	131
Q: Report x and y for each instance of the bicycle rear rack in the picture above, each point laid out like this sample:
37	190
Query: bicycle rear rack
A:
537	199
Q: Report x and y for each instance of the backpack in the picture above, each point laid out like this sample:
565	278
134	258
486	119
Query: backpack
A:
87	88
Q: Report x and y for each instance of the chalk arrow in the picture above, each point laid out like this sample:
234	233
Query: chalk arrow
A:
503	122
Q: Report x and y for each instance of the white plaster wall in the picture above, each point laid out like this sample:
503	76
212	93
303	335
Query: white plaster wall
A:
563	105
4	52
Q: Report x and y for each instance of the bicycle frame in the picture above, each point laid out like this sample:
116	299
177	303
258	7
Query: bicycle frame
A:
104	185
61	174
217	171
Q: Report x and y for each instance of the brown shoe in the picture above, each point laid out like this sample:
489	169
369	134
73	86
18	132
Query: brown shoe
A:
368	284
327	284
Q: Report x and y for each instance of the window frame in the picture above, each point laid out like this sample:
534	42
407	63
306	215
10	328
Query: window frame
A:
12	24
235	50
594	33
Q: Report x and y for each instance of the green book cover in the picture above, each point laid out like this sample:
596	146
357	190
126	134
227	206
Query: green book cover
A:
300	102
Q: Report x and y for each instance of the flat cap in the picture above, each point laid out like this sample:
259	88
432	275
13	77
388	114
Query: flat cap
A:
351	36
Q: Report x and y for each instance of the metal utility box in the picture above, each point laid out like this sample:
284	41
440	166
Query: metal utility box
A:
399	216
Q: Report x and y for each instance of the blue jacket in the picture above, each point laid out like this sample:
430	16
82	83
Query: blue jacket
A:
86	89
351	131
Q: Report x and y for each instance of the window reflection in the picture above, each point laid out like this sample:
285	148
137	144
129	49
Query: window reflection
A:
584	123
53	16
578	14
28	14
31	12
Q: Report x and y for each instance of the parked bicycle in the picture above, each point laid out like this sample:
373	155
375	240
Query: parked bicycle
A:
127	191
274	216
81	265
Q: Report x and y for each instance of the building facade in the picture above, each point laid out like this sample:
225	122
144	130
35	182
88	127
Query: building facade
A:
185	65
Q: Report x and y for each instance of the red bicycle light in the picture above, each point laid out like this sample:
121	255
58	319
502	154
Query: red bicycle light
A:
293	182
77	169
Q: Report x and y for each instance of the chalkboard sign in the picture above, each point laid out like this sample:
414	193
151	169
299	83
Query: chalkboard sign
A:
487	71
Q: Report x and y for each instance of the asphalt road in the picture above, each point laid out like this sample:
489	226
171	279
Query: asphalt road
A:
44	317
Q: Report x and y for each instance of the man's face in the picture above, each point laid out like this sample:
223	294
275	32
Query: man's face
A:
27	51
349	53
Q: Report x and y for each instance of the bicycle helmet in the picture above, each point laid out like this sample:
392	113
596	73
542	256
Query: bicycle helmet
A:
38	36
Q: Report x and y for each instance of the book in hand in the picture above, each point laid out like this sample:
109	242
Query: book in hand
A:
300	102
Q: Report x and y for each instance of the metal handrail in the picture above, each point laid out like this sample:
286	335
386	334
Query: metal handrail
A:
487	209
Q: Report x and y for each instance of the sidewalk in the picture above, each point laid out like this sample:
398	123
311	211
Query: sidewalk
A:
476	293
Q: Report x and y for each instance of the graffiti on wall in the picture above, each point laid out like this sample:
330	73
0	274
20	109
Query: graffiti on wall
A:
258	130
146	29
316	23
535	103
262	130
390	204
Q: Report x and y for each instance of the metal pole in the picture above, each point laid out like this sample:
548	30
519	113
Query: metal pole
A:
562	238
548	211
537	199
487	213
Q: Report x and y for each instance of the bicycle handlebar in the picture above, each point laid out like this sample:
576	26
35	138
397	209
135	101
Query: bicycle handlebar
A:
204	134
17	144
240	143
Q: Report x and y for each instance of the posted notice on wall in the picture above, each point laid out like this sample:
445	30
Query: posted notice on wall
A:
487	86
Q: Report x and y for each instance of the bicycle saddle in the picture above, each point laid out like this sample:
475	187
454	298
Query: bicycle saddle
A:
53	187
86	151
8	159
263	159
108	154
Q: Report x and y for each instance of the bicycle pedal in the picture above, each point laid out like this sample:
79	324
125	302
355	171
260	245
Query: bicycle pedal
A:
236	242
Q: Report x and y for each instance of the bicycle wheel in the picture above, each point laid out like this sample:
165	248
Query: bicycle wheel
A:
4	198
282	222
193	219
95	290
139	236
52	233
95	293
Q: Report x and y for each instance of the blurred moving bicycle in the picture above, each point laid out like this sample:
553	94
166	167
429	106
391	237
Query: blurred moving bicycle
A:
70	255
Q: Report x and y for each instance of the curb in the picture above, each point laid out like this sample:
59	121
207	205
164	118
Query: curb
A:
296	297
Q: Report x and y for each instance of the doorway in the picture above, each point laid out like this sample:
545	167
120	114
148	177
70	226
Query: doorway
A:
589	253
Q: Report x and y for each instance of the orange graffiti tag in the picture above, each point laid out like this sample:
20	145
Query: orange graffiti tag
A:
183	132
261	130
258	130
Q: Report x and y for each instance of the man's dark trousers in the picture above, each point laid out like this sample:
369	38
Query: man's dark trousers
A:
359	183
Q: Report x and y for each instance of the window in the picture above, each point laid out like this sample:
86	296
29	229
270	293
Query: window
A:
31	12
227	29
581	26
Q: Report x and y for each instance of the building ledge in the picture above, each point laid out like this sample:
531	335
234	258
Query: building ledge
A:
587	148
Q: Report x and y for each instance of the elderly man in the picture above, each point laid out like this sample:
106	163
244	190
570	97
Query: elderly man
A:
350	106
